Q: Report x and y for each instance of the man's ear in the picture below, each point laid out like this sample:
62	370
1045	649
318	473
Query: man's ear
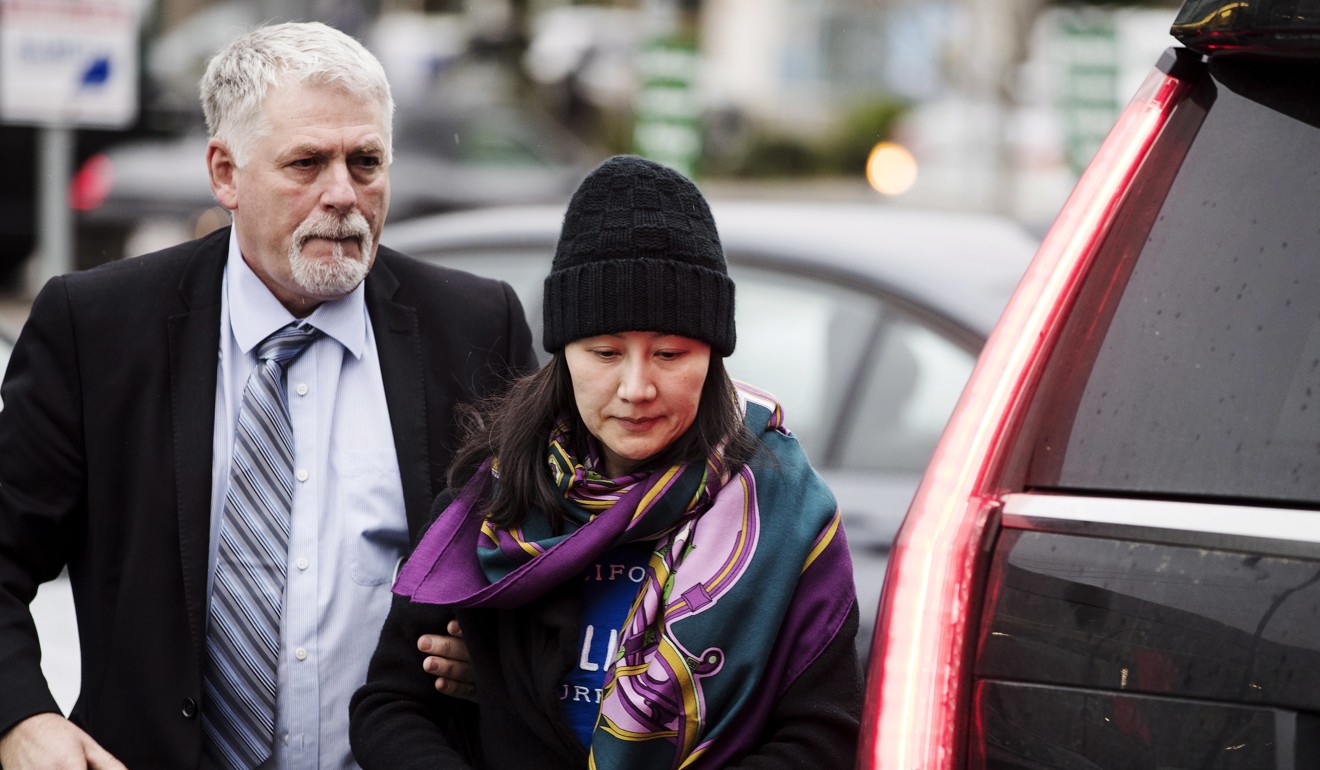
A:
223	170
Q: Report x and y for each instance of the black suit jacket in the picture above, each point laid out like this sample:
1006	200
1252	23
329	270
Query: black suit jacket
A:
105	466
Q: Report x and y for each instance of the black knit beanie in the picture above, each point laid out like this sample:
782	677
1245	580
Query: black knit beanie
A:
638	252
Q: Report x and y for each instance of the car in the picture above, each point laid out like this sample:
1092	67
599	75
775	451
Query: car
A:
1113	558
864	319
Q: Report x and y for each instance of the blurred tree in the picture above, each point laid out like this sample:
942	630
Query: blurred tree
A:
772	156
863	127
842	152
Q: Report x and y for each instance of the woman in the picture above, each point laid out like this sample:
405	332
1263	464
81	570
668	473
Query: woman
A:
646	570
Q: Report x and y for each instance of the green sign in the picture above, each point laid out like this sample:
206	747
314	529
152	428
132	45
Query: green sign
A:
667	115
1089	99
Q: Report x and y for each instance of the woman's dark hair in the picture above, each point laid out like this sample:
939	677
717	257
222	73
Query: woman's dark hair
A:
515	426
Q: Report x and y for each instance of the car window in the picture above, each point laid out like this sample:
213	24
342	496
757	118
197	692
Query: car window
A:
1194	369
802	340
905	396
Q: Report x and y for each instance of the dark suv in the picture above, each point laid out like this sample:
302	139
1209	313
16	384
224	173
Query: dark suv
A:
1113	560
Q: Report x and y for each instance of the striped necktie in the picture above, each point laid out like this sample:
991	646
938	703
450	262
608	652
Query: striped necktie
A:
242	644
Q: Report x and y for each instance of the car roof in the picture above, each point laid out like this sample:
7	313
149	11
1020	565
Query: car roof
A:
963	265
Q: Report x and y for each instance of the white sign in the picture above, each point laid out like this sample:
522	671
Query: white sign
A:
70	63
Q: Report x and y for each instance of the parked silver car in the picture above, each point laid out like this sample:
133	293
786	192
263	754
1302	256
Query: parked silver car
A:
865	321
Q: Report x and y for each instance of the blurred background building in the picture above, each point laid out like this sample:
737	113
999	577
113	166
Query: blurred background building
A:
989	105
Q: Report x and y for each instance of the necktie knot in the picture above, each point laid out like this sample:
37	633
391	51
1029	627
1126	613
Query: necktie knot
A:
286	343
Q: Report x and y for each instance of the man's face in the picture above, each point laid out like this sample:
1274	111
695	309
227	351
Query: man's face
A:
311	200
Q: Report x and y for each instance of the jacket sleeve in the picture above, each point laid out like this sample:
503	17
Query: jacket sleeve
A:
397	719
42	483
814	723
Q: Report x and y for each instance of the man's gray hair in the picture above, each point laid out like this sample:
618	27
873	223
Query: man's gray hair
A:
238	78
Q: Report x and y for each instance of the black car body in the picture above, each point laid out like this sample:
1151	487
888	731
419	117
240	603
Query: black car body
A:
1113	560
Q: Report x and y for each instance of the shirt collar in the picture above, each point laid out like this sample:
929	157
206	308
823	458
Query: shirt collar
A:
255	313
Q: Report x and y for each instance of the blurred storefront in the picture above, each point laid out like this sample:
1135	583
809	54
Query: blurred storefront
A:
991	98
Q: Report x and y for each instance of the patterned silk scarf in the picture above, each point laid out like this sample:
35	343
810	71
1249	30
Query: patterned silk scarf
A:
748	581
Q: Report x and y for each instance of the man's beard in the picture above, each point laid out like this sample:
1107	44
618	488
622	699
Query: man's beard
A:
340	274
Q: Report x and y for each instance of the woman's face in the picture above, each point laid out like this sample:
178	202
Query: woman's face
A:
637	392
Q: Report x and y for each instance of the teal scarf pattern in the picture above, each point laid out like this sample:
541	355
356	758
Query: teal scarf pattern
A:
748	581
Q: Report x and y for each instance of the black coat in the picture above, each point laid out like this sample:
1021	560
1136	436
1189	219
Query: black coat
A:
105	466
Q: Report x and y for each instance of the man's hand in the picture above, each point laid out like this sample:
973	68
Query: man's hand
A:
447	658
51	742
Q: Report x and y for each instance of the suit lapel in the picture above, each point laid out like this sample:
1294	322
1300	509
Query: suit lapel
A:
399	345
194	336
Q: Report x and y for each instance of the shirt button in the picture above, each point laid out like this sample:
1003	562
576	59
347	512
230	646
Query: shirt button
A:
302	474
301	389
300	653
189	708
302	562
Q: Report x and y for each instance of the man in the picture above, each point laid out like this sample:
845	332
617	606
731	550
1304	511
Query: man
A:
139	447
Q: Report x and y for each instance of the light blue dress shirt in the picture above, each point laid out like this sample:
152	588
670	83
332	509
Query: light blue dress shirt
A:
349	525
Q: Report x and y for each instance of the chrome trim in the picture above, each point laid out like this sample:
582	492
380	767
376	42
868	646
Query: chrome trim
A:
1163	520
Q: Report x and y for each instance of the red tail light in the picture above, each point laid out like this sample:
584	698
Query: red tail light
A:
91	184
917	698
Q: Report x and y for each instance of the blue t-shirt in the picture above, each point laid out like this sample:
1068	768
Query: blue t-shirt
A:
608	589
